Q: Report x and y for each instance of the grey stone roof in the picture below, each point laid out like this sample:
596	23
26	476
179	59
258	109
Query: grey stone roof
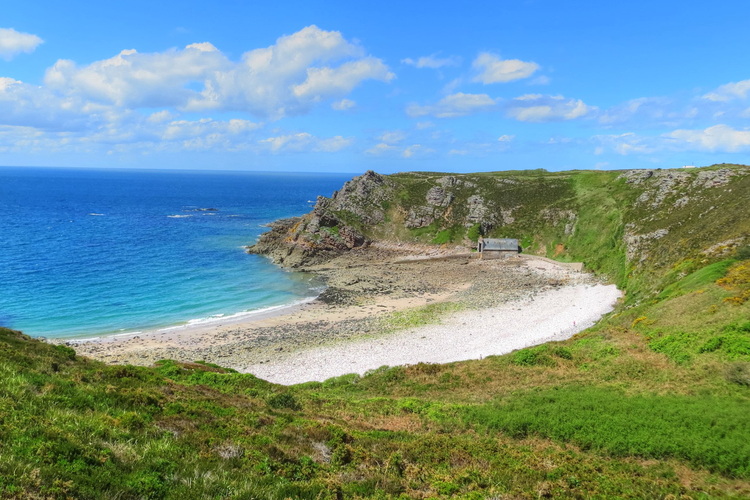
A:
500	244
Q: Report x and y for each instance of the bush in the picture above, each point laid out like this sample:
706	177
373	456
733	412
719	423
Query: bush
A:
532	357
474	232
563	352
743	253
284	401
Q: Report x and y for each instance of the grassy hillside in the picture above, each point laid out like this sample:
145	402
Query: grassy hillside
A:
633	227
651	403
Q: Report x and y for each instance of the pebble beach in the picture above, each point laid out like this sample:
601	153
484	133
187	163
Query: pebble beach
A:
496	306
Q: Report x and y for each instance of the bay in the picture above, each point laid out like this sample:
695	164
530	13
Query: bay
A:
98	252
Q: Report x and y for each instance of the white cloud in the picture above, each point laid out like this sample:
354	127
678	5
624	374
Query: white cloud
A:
160	116
729	92
717	138
133	101
326	82
540	80
131	79
544	108
333	144
186	129
432	61
491	69
651	111
455	105
27	105
411	151
415	150
13	42
305	142
380	149
392	137
506	138
343	105
623	144
287	78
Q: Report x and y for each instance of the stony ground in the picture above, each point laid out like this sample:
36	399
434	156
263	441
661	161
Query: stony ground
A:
364	287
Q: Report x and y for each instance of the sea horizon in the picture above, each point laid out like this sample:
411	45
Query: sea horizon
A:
92	252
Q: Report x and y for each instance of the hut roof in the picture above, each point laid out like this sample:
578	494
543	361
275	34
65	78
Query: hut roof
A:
500	244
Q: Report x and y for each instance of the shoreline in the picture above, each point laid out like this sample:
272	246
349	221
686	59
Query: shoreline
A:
195	324
342	330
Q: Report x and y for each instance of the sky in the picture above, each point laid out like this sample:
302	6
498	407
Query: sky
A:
390	85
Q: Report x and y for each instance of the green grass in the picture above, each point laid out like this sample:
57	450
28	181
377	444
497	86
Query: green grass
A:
420	316
705	431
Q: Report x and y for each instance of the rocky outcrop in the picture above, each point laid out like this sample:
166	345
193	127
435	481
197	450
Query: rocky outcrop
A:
335	224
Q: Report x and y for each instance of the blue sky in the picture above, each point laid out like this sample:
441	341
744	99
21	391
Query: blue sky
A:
390	86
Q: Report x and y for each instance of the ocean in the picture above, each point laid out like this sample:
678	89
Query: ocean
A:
104	252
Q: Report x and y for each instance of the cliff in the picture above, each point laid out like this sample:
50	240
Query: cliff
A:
639	228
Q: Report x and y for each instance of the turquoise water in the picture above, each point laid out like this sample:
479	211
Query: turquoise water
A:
92	252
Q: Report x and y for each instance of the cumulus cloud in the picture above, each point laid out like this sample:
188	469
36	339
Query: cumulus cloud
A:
287	78
729	92
454	105
432	61
491	69
506	138
326	82
14	42
721	138
545	108
131	79
27	105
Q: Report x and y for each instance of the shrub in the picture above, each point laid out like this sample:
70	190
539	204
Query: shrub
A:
563	352
532	356
712	344
284	401
474	232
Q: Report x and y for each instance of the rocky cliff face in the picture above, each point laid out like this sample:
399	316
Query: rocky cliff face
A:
625	224
335	224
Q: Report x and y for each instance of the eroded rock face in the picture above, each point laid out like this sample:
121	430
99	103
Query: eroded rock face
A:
362	196
637	246
439	197
419	217
329	229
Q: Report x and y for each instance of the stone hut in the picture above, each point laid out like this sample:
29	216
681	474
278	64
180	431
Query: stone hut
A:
497	248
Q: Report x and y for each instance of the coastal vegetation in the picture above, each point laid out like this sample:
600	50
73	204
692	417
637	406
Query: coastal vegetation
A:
652	402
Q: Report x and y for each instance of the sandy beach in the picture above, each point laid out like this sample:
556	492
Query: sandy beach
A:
499	306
